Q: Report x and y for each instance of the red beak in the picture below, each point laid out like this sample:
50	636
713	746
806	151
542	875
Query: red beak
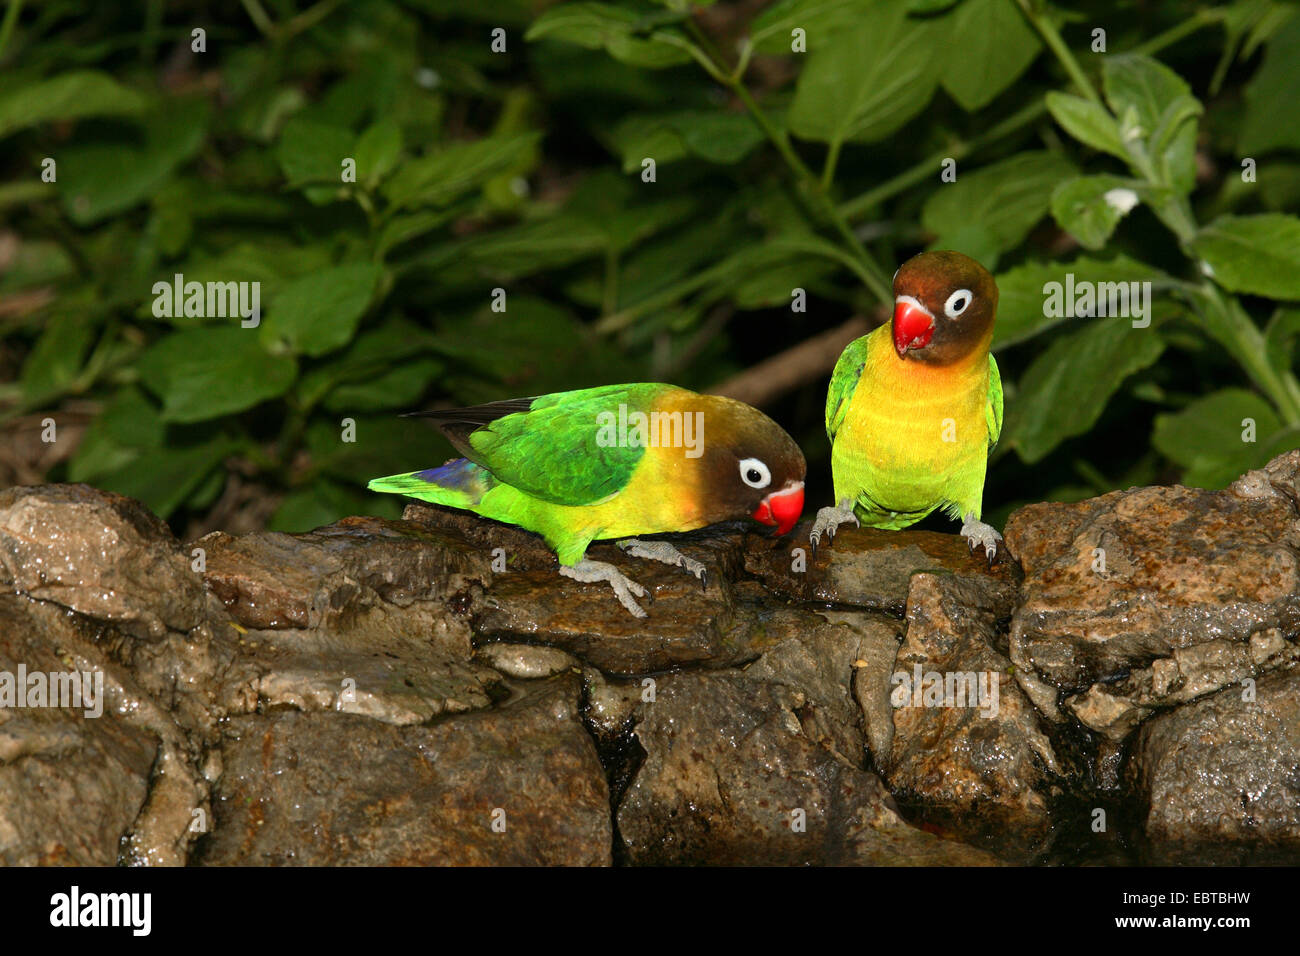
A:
913	326
781	508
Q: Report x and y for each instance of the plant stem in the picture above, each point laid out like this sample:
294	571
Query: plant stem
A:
1201	18
257	13
828	171
10	21
872	275
1052	37
860	205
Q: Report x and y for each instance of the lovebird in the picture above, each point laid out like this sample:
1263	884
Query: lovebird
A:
915	406
616	461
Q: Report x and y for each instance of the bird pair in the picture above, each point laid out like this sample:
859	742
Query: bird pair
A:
912	412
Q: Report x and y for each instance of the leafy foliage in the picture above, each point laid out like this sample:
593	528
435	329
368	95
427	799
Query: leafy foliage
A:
394	172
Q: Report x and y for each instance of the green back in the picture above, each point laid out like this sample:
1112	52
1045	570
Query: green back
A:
552	450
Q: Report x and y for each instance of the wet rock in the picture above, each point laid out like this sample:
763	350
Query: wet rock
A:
1146	598
99	554
526	661
274	580
730	777
1220	778
609	704
967	745
398	665
817	660
109	778
873	670
866	567
341	789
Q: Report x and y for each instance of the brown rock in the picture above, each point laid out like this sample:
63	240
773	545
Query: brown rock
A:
274	580
78	781
868	567
99	554
340	789
730	777
1192	586
967	745
1220	778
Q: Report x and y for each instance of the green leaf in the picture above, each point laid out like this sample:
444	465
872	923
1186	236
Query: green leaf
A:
313	152
1087	122
34	262
717	136
318	313
166	476
127	427
437	179
58	356
324	502
377	442
1005	200
99	180
204	373
377	151
67	97
1272	94
397	387
1023	292
533	247
867	80
820	20
1209	437
1090	207
997	45
626	35
1066	388
1157	115
1280	337
370	356
1255	254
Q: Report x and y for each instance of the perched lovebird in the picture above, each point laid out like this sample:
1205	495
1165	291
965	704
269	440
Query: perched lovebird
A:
614	462
915	406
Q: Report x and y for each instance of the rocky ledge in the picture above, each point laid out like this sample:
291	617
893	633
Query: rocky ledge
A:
430	691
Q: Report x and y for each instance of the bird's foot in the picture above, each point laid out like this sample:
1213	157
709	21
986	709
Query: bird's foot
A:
665	553
829	520
589	572
980	535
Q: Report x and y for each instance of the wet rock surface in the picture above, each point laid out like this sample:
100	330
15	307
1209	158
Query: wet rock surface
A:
431	691
1144	599
967	743
519	785
1224	771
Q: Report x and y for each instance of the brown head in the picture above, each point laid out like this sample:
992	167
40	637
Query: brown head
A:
944	306
749	467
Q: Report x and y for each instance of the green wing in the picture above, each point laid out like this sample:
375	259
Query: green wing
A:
553	451
993	411
844	381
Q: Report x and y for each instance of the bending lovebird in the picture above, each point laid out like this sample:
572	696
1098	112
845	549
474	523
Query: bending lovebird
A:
915	406
614	462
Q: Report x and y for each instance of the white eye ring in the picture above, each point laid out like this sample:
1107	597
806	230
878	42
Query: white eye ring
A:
749	467
951	307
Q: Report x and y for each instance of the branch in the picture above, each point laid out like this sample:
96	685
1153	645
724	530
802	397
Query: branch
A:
809	361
